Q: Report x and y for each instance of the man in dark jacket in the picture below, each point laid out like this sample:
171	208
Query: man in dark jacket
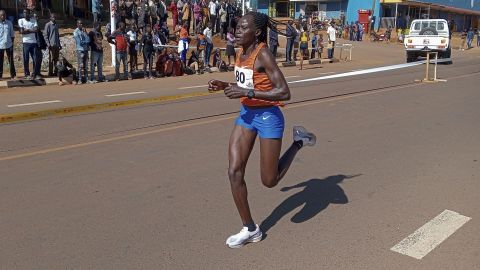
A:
273	40
291	34
52	38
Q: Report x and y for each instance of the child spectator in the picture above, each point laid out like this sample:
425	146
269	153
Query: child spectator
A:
120	39
230	47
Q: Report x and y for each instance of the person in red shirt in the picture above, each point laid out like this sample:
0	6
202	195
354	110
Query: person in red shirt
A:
120	39
261	88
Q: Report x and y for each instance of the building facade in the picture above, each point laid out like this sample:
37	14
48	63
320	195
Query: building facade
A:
465	13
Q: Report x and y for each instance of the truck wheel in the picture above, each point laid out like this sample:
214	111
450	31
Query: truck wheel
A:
448	54
411	57
430	31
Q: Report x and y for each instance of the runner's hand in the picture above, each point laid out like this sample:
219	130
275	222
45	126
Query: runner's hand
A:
216	85
234	91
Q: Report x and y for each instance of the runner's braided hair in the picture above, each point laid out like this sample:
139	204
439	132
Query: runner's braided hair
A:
263	22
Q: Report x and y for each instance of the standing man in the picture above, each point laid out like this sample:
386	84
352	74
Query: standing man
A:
28	27
82	42
332	37
53	44
273	40
96	52
291	34
7	36
208	37
212	7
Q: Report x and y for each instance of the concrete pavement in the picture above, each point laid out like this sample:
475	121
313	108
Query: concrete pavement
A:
146	187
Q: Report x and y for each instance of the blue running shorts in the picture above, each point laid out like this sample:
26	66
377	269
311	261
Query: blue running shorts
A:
267	122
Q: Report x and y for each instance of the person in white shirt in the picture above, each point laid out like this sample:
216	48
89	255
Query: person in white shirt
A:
332	37
7	36
212	7
208	50
28	27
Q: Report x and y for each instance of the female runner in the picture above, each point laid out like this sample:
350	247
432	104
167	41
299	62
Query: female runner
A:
260	86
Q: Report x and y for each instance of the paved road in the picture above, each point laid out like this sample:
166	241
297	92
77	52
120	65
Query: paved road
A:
146	187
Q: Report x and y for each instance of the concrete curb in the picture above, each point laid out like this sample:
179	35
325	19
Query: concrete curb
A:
22	116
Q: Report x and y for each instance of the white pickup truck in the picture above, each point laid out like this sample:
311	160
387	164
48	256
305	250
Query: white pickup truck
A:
429	34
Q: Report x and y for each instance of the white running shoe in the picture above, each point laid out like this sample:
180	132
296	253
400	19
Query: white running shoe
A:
243	237
301	134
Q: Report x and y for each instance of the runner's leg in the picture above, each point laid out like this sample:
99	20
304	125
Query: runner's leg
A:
241	143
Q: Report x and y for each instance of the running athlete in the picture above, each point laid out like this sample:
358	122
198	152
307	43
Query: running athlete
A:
261	88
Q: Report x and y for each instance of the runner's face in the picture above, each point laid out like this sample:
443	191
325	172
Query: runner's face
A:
245	34
2	16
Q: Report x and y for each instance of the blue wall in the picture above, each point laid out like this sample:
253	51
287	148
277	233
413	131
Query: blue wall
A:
355	5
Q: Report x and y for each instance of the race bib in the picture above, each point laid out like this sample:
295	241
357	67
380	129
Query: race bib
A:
244	77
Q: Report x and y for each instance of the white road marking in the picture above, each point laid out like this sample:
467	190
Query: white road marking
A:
430	235
196	86
126	94
295	76
33	103
360	72
326	73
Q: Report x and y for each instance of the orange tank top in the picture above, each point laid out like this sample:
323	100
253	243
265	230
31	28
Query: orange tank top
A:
247	77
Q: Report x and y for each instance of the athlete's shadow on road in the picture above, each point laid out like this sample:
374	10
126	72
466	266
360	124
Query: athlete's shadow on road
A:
317	194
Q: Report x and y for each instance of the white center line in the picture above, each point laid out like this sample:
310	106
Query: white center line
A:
295	76
430	235
196	86
33	103
126	94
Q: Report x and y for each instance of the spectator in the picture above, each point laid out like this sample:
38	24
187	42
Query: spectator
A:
130	12
303	47
64	70
223	21
197	15
28	27
212	6
332	37
291	34
217	60
53	44
296	42
273	40
82	42
158	40
180	5
470	36
96	53
183	43
133	47
173	8
314	44
201	46
41	46
120	39
231	47
187	16
141	15
478	37
194	62
208	50
320	46
7	36
97	7
162	11
463	37
147	45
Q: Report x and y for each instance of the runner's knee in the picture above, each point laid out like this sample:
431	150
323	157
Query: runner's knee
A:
269	181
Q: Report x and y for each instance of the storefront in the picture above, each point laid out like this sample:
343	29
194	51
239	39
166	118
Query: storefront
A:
400	13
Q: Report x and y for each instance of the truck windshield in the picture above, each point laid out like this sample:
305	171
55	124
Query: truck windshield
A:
433	24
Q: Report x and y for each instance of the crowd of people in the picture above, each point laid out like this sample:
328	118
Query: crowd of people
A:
141	29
